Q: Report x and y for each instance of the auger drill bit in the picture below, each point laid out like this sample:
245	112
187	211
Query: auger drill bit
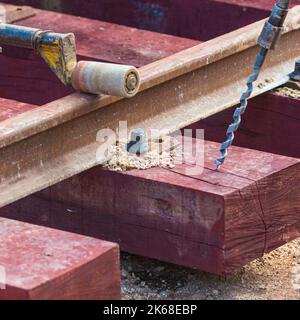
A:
266	41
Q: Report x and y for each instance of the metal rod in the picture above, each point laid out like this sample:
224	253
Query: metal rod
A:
17	36
25	37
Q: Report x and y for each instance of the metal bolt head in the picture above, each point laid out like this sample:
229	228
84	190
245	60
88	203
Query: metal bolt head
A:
138	135
131	82
138	142
296	74
138	148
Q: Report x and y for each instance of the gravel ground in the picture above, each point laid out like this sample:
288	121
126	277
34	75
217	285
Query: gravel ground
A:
270	277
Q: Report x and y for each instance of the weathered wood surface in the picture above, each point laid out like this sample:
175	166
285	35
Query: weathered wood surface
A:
270	124
38	263
10	13
109	42
213	221
201	19
10	108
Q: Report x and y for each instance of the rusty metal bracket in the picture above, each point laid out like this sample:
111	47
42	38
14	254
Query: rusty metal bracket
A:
53	142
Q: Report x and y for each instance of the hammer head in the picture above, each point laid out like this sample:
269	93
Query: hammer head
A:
59	52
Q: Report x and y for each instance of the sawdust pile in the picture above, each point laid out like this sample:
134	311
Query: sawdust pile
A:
121	160
288	92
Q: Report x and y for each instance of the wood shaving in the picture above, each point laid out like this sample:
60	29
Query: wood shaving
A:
288	92
121	160
261	85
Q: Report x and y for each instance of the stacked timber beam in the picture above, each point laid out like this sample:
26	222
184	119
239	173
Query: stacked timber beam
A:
38	263
270	124
202	19
212	221
215	221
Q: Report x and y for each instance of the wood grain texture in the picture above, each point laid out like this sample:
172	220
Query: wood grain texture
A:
10	108
213	221
99	40
47	264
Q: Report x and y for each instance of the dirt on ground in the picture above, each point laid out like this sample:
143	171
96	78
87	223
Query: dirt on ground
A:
276	276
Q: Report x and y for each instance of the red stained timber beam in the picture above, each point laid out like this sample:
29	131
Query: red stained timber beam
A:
38	263
213	221
270	124
201	19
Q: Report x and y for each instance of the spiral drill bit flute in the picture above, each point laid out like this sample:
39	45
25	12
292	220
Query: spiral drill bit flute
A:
266	41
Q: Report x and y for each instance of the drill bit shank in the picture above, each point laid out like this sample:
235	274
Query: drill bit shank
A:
266	41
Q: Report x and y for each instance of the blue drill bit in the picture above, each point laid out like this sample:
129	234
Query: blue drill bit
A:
266	41
237	116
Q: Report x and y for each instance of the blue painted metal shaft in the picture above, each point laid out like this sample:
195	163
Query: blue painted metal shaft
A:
18	36
25	37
